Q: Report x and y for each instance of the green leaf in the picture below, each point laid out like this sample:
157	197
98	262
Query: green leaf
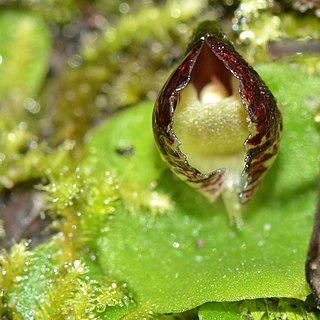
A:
126	144
260	309
220	311
188	254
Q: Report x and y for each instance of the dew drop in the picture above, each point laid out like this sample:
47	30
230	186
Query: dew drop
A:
75	61
31	105
100	308
313	266
176	245
27	243
175	13
124	8
267	227
33	145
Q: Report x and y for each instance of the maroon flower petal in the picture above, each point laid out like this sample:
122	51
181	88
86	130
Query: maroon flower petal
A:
208	49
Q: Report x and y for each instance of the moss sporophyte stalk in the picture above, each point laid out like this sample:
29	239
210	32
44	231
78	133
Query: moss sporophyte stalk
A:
216	123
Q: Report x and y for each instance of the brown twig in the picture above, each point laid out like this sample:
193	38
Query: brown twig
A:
290	47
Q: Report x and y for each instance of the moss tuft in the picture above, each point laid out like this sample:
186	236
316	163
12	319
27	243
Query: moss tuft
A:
84	202
72	294
11	266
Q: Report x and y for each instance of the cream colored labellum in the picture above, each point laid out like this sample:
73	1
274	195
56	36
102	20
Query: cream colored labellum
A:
211	127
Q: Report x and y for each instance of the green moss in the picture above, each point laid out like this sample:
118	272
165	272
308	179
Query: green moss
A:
37	164
34	279
256	24
24	51
57	11
48	283
85	202
11	266
118	65
75	295
144	24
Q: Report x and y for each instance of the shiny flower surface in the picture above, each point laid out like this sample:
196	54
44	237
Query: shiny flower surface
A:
216	123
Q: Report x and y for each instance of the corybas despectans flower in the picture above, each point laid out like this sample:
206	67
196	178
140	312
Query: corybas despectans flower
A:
216	123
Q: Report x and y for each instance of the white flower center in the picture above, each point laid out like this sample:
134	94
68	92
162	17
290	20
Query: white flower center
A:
212	129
